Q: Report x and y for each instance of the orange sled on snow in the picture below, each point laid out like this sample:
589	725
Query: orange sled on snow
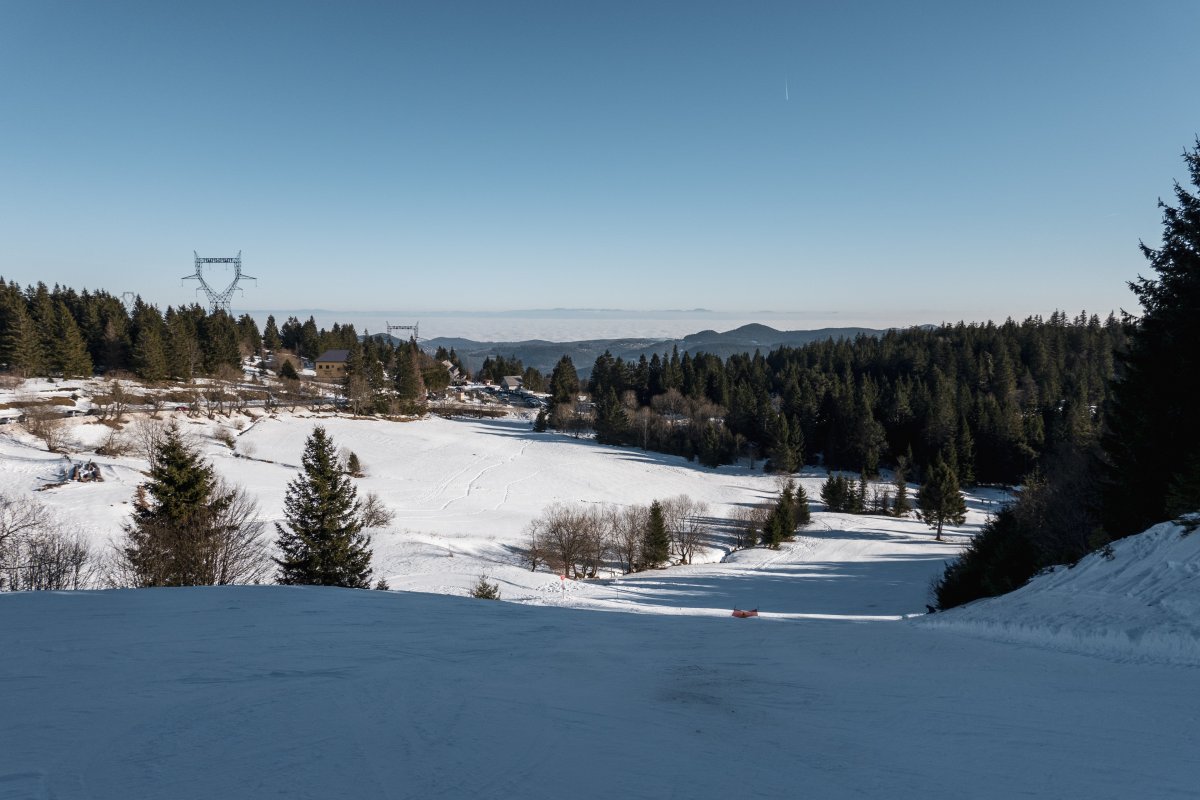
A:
737	612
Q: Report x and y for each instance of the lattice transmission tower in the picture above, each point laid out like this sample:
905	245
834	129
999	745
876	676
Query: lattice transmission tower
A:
416	330
218	300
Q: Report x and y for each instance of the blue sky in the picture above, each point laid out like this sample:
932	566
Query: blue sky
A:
931	161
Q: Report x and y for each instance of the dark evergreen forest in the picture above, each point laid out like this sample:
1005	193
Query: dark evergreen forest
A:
989	399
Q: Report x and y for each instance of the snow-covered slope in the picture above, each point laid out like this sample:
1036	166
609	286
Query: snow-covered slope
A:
251	692
1139	600
465	491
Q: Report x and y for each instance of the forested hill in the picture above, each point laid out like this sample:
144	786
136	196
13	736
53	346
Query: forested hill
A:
542	355
991	399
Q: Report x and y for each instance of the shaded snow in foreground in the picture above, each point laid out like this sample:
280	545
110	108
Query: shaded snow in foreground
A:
246	692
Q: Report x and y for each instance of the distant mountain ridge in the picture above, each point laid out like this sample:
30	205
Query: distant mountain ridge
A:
543	355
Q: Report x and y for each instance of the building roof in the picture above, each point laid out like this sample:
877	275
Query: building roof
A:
339	356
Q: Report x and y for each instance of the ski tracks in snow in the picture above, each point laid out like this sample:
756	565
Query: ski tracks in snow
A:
472	484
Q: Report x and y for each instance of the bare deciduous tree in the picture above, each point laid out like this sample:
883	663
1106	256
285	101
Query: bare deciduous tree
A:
47	423
628	526
374	513
36	553
147	433
573	542
685	525
748	522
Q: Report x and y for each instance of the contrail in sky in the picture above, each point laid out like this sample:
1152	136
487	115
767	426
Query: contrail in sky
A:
785	90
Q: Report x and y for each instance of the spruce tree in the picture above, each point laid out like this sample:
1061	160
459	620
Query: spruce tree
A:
71	355
803	514
940	499
564	381
656	544
20	347
149	355
901	506
612	423
270	336
323	542
779	450
174	535
1153	430
409	383
781	524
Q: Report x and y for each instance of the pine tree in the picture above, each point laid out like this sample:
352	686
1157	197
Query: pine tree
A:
901	506
20	348
45	323
656	544
940	499
781	524
564	381
835	493
323	542
1153	430
410	385
171	540
612	423
803	514
149	355
71	355
539	423
270	337
779	451
860	497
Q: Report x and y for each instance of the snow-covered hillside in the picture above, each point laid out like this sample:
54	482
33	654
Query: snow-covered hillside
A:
1139	600
464	493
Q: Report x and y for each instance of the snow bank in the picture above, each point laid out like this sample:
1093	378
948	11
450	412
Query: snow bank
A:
1137	601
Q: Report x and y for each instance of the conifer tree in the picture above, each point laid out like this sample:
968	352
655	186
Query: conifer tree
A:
45	323
656	543
860	497
270	337
611	421
779	451
71	355
1153	430
149	355
564	381
409	383
20	347
323	542
803	513
186	529
781	524
965	453
940	498
901	506
835	492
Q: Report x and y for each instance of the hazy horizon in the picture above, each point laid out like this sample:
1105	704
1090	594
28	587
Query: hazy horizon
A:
565	325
